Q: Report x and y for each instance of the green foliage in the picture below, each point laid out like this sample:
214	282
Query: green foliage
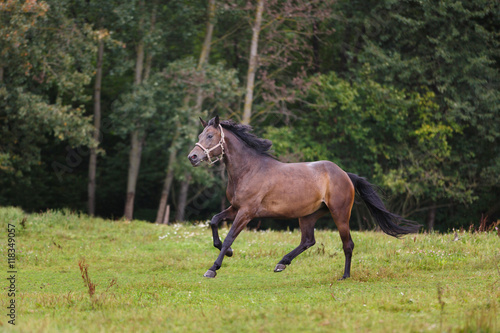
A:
405	93
427	282
219	88
46	62
45	66
397	139
449	48
136	109
164	105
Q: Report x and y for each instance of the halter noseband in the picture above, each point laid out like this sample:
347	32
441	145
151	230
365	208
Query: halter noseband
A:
220	144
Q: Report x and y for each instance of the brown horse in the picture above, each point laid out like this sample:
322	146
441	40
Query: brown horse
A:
260	186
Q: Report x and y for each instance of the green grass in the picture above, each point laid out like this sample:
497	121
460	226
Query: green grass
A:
422	283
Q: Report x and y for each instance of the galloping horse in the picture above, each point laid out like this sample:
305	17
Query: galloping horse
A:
260	186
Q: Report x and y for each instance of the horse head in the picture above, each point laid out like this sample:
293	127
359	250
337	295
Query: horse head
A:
210	143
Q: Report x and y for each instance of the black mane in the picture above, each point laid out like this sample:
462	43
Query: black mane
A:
244	133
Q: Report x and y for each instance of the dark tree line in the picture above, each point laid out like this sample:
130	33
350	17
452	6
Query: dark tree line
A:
100	101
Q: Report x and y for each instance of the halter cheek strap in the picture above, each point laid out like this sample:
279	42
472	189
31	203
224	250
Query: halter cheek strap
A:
220	144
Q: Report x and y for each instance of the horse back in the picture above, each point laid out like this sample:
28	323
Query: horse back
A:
289	190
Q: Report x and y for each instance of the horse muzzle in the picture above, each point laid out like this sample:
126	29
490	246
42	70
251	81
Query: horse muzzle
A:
194	159
196	156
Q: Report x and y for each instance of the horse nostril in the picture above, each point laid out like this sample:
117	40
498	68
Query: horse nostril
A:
193	157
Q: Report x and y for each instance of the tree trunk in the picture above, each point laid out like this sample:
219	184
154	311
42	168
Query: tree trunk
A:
160	216
205	52
166	219
431	217
252	66
149	57
139	63
136	144
181	206
97	127
136	139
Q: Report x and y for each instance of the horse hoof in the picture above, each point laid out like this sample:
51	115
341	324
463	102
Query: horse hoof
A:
229	252
210	274
279	268
343	278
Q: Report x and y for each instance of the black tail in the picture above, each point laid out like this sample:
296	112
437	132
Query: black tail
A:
392	224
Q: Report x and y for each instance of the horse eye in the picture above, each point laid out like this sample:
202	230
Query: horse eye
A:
210	136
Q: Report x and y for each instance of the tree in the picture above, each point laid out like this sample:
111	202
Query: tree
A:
172	21
450	48
183	82
161	216
394	137
135	122
97	127
45	64
199	83
101	14
252	64
279	55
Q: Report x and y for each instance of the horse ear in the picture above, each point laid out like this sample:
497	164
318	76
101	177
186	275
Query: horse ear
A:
203	122
216	121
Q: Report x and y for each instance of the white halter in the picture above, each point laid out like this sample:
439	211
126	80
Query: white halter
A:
220	144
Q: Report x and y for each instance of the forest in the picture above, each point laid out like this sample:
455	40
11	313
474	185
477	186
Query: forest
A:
100	102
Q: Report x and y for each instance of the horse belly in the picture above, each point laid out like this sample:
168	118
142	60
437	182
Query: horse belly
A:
290	204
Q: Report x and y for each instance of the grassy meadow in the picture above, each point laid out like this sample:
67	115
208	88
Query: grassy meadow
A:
149	278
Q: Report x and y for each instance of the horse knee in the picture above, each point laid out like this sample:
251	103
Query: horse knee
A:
214	223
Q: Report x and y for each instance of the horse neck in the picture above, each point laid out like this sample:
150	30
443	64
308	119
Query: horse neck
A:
239	158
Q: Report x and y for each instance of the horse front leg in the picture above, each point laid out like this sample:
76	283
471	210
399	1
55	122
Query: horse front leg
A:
227	214
240	222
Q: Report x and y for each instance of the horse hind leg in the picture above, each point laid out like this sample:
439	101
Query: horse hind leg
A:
348	247
341	213
307	238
